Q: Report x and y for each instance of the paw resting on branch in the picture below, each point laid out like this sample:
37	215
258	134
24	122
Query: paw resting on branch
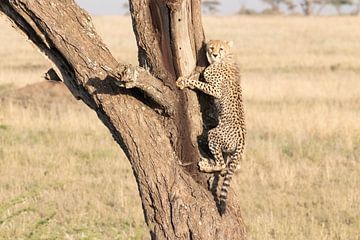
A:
182	82
185	82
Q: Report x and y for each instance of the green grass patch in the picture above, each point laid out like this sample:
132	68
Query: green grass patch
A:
6	87
3	127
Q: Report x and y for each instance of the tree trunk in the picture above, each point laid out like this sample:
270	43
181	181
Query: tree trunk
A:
160	128
307	7
338	9
321	5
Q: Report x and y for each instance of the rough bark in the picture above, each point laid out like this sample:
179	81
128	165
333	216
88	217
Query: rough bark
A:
155	124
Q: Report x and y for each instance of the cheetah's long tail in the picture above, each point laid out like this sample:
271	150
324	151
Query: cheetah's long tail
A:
234	161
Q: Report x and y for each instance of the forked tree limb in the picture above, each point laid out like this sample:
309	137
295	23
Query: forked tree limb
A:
175	199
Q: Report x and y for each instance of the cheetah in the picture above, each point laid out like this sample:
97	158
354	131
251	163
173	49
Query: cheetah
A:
222	81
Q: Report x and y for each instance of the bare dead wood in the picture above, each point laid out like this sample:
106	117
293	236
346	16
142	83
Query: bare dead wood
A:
155	124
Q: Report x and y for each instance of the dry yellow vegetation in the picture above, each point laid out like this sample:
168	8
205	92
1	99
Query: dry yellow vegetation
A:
63	177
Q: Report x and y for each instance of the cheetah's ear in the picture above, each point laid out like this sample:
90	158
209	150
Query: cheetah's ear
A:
230	43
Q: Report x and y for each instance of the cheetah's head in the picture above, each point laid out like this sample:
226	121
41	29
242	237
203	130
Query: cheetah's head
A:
217	50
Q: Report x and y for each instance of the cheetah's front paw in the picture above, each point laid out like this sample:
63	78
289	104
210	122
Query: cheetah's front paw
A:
182	82
208	166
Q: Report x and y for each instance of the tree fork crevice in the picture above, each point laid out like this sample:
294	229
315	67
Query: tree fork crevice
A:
165	41
175	205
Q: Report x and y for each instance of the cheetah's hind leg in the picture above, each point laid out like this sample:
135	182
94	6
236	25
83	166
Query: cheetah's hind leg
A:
218	164
210	166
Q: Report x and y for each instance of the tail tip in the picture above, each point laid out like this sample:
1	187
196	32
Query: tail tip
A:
222	207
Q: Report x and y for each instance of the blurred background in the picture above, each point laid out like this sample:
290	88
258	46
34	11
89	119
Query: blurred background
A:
231	7
62	176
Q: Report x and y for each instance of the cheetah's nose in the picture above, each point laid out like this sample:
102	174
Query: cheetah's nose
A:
215	55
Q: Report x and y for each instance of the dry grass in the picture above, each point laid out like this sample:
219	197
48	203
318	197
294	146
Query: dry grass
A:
63	177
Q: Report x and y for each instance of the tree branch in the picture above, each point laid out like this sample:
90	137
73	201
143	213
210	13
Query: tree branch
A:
129	77
79	57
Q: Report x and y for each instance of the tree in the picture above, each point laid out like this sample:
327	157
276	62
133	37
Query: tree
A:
159	127
339	3
308	6
246	11
211	6
290	6
125	6
276	4
357	8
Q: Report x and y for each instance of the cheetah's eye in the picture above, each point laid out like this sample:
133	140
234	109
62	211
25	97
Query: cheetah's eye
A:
211	48
221	49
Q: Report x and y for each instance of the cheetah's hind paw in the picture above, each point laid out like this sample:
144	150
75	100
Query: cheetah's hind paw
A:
209	166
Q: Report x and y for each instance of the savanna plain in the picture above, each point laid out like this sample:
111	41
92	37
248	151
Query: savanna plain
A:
63	177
